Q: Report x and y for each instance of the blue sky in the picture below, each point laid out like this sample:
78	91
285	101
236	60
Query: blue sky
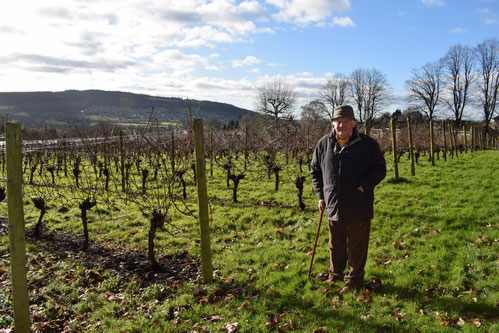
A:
222	50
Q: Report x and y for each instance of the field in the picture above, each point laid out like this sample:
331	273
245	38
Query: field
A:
432	262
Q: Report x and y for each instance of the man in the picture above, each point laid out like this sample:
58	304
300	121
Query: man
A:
345	168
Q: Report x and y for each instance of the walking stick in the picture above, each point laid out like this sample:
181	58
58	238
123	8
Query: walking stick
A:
315	244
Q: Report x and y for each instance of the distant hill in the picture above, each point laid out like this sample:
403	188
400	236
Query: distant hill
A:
72	107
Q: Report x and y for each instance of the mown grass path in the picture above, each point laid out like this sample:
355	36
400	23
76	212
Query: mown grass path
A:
432	265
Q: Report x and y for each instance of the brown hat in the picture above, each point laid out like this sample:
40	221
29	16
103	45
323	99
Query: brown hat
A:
343	111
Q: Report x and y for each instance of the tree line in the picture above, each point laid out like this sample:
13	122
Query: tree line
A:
464	78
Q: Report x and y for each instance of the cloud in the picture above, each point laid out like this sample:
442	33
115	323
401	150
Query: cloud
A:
433	2
458	30
249	60
43	62
488	15
177	61
8	29
304	11
343	21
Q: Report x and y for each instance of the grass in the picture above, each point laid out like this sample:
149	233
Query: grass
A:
432	259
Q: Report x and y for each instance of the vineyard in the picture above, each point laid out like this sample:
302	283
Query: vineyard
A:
113	237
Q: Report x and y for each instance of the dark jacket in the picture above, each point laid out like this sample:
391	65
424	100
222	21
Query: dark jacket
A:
338	172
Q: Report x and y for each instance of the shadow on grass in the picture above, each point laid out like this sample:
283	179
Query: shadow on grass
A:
400	180
442	303
174	269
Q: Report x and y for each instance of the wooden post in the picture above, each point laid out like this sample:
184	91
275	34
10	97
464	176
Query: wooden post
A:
432	143
472	147
122	165
445	140
465	138
245	148
411	147
172	153
16	228
394	149
204	222
210	141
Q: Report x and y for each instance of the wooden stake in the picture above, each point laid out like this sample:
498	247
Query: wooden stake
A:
16	228
204	222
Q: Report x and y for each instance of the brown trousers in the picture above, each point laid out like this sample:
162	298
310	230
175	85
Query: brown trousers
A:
348	242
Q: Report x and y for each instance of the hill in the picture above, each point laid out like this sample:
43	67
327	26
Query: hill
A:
91	107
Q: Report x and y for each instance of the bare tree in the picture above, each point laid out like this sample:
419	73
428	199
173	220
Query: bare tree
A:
369	90
276	98
335	92
425	87
458	64
487	54
313	113
376	97
358	91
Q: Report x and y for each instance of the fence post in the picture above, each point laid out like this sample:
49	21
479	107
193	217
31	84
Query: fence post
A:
445	140
411	147
16	228
465	140
394	149
204	222
122	164
432	143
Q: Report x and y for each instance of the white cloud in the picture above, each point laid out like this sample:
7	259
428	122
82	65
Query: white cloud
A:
433	2
212	68
458	30
490	21
305	11
249	60
343	21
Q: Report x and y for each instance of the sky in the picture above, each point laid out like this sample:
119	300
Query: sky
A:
222	50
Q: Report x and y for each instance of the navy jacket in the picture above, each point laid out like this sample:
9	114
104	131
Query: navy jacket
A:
338	172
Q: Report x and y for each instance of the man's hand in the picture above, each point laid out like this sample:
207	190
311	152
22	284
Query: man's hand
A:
322	205
360	188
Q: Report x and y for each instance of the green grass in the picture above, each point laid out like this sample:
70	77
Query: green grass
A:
433	247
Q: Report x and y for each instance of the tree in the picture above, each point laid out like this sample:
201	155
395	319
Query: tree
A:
358	91
313	113
377	94
458	64
425	87
487	54
369	89
335	92
276	98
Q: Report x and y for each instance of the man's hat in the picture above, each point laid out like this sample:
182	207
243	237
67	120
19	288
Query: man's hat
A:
343	111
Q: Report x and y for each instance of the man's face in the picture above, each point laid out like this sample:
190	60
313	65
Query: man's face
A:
343	127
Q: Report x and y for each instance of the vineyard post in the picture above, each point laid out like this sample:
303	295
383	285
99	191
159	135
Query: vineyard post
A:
451	140
411	146
472	146
210	141
122	164
445	140
465	140
64	144
432	143
394	149
172	152
204	222
245	147
454	138
16	228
